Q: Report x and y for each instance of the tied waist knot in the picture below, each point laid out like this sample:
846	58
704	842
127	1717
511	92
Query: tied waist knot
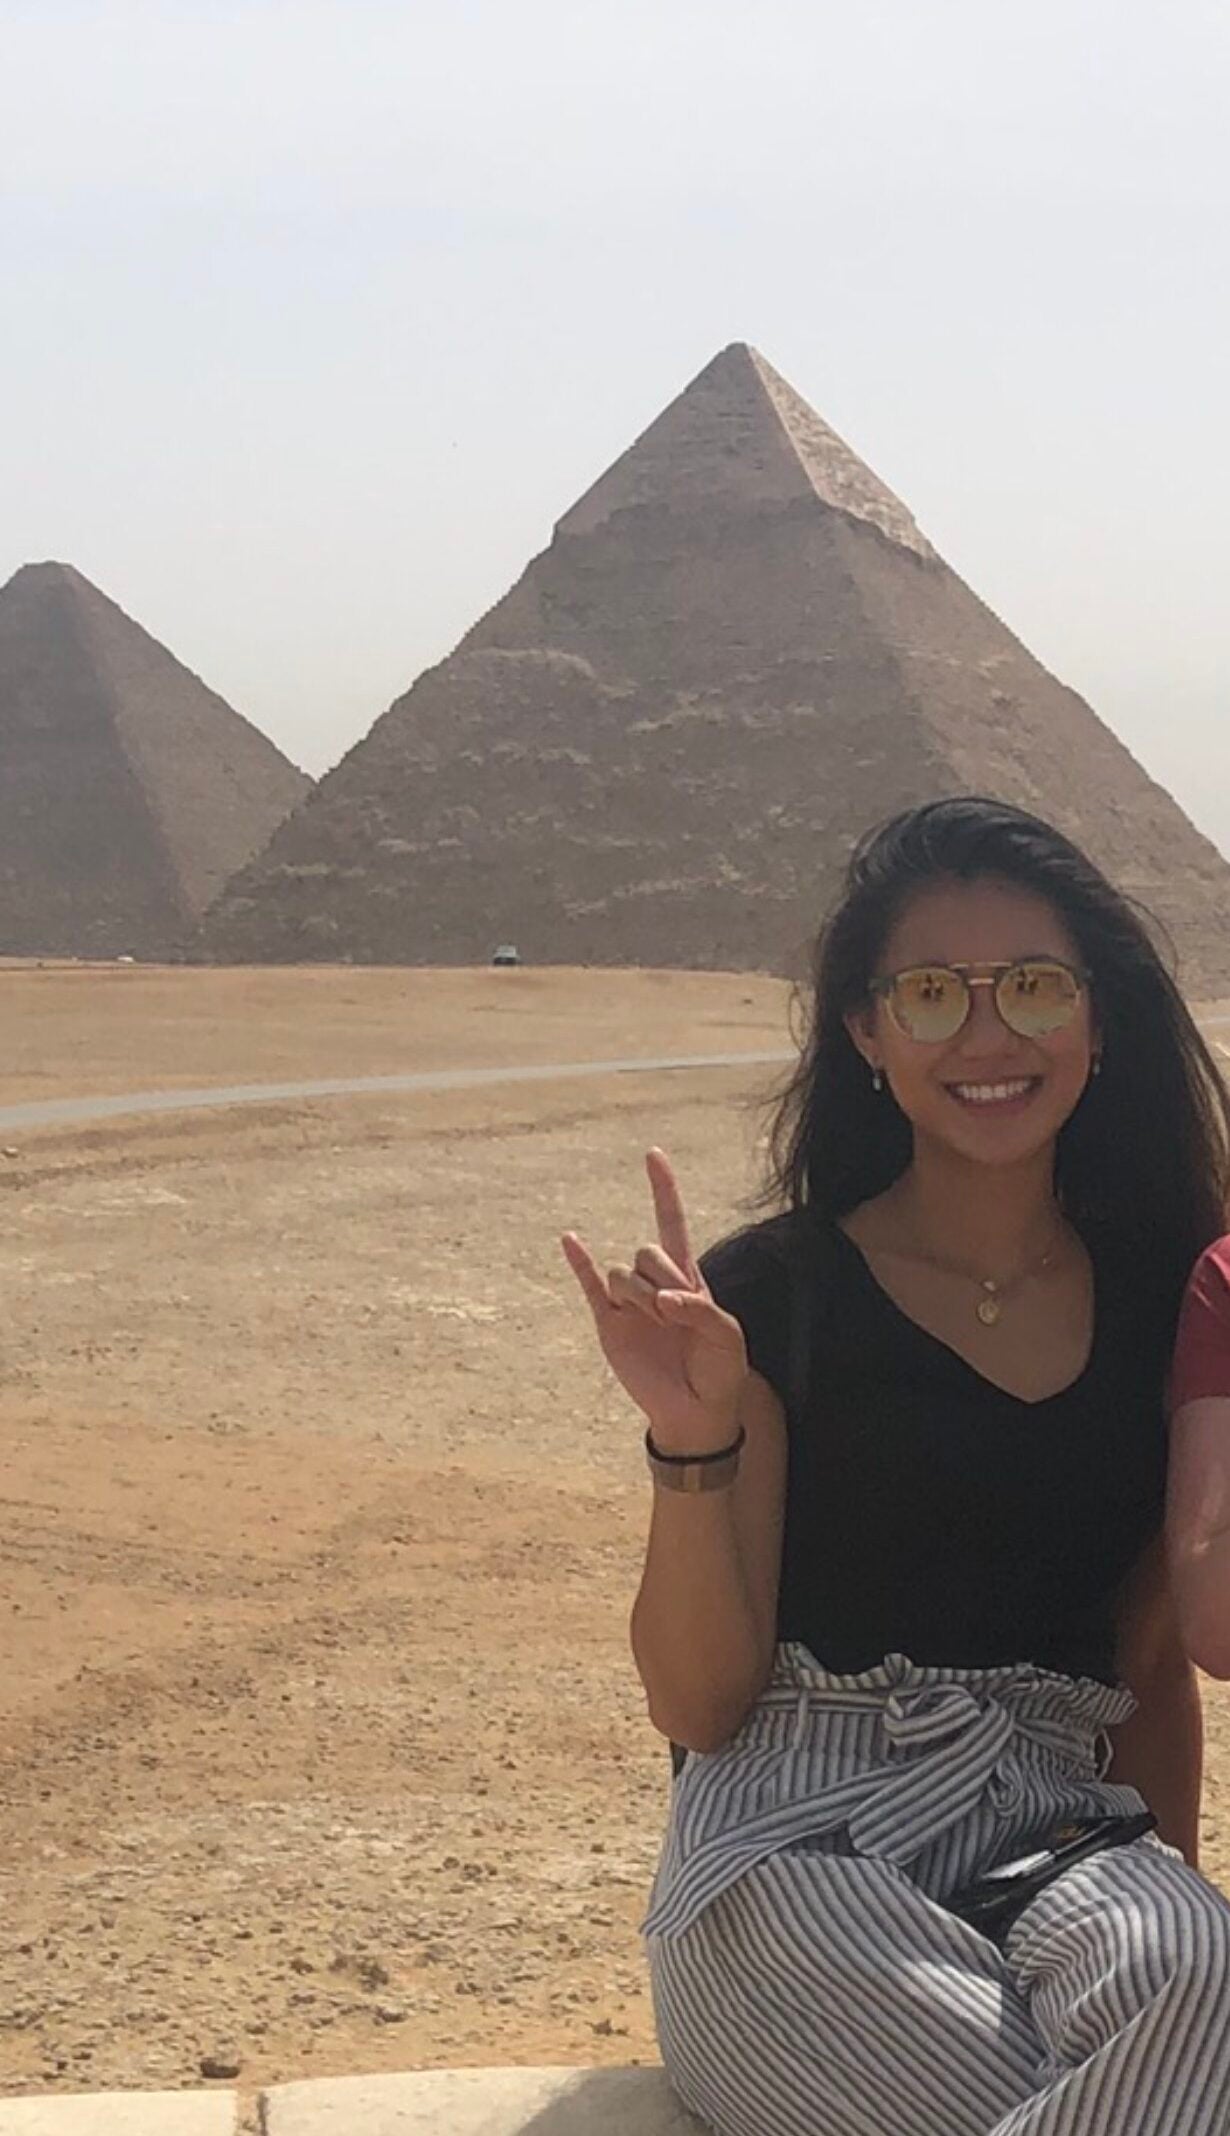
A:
951	1741
930	1715
948	1748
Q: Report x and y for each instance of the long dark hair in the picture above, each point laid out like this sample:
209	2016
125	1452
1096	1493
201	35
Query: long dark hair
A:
1142	1165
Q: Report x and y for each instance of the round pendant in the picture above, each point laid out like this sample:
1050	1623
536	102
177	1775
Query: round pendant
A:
988	1310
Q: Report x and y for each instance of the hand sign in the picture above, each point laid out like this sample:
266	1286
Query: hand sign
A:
679	1356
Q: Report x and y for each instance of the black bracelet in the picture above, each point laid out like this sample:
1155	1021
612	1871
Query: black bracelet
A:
723	1453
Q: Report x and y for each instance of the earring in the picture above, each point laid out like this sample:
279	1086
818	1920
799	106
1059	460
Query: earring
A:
1097	1064
877	1079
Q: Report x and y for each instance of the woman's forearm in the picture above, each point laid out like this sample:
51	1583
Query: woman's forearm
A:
1201	1578
702	1652
1159	1751
704	1622
1198	1529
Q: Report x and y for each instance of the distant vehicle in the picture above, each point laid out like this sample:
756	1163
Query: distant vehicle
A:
506	953
125	960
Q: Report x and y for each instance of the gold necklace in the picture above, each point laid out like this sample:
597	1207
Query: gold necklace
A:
990	1306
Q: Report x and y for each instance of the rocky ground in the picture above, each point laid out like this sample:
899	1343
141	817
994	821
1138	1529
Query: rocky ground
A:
320	1746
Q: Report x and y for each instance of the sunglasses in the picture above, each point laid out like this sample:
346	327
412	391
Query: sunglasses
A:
932	1002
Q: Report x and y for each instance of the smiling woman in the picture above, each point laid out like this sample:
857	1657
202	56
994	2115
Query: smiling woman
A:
904	1612
987	1057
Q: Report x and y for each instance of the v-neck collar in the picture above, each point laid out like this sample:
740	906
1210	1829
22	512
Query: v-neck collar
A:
947	1349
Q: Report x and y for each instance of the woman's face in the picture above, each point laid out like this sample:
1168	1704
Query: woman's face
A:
987	1094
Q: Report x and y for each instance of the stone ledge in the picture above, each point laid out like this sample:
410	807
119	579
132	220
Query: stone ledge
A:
482	2102
436	2102
122	2113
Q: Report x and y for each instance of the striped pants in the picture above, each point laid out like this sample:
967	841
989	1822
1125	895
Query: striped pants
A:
809	1981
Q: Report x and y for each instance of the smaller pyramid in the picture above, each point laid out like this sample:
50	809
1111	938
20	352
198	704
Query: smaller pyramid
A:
129	792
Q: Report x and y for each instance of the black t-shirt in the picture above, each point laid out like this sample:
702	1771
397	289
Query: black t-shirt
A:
928	1513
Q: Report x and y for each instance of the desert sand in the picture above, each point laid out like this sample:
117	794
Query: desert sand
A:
322	1748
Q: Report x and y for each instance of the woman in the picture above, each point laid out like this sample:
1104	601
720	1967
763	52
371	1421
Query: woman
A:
908	1445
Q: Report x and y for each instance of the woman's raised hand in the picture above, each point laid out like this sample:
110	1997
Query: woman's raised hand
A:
680	1357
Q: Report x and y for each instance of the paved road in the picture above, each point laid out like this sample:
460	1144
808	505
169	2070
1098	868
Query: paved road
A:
72	1112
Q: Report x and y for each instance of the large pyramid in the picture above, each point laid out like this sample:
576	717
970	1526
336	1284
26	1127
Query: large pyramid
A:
129	792
736	654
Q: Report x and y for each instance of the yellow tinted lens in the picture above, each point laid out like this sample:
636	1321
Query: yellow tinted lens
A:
1036	998
929	1003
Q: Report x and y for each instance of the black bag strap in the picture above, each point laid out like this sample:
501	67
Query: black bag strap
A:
806	1297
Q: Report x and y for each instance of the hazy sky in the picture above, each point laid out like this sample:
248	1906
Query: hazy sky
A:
317	315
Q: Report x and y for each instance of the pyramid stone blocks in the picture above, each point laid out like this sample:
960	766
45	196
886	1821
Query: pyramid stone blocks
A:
129	792
737	654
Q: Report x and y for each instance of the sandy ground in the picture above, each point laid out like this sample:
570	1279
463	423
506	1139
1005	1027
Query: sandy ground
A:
320	1746
74	1030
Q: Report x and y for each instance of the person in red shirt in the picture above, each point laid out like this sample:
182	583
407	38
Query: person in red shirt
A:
1198	1483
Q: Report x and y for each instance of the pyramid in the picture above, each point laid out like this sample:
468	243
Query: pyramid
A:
129	792
737	654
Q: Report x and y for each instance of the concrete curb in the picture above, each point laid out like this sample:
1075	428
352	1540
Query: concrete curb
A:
123	2113
436	2102
482	2102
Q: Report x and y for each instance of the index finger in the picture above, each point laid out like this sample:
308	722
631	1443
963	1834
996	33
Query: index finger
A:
668	1208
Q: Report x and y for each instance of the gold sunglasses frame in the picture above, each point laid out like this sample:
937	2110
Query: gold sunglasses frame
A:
992	975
